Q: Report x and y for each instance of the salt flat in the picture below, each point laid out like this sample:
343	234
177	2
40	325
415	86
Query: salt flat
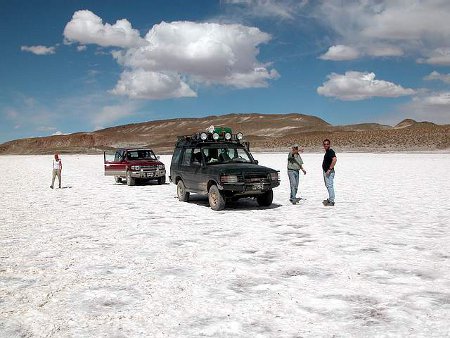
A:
102	259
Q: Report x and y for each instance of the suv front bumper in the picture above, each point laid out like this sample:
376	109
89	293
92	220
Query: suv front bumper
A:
148	174
248	188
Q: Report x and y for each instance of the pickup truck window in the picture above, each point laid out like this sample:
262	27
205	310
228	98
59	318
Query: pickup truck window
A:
141	155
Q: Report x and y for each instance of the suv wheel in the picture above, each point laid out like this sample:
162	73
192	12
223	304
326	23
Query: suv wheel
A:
183	195
118	179
130	180
162	180
265	199
216	200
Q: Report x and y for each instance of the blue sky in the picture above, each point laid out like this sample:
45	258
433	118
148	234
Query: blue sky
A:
71	66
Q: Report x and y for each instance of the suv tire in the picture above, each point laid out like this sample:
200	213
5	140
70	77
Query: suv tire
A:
118	179
183	195
265	199
216	200
162	180
130	180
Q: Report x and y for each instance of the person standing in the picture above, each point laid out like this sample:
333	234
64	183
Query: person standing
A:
57	168
329	161
294	165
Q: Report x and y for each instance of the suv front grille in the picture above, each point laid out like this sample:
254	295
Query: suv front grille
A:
256	178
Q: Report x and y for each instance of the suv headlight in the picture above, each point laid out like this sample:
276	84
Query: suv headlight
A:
228	179
135	167
274	176
161	166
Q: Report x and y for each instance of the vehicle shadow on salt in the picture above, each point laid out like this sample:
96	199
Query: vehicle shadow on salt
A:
244	203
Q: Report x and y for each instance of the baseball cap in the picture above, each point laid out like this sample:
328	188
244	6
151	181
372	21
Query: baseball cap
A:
295	145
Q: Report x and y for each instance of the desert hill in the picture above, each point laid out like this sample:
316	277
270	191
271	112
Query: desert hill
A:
265	132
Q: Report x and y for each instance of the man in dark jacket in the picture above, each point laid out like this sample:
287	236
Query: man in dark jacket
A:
329	161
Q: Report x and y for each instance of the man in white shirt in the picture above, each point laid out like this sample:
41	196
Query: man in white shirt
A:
57	168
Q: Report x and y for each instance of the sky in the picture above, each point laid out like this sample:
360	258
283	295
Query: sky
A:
70	66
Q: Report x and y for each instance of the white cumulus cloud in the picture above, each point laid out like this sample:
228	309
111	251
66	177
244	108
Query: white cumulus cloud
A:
354	86
38	50
340	53
142	84
438	77
87	28
175	57
390	28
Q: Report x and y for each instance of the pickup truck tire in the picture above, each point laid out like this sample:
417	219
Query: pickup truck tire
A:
118	179
130	180
182	194
216	200
265	199
162	180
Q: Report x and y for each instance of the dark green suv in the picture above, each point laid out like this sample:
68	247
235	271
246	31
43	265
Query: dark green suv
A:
219	164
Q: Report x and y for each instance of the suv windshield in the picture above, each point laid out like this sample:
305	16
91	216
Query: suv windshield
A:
141	155
226	154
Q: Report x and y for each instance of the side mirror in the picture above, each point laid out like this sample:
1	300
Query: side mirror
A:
256	162
158	157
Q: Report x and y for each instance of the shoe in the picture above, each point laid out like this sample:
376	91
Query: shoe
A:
327	203
51	186
59	187
293	201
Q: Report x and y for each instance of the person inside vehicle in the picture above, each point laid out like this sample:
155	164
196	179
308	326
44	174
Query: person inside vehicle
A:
213	156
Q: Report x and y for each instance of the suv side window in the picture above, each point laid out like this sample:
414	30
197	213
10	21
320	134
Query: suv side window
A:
187	157
176	156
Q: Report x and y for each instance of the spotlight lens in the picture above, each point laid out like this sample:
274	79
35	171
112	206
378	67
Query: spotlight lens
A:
215	136
240	136
227	136
203	136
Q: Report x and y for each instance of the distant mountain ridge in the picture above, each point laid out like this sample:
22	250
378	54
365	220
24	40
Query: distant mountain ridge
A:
265	132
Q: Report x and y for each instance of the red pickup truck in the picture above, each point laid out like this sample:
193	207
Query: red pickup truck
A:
135	166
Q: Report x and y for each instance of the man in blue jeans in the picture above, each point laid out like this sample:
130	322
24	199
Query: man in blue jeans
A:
294	165
329	161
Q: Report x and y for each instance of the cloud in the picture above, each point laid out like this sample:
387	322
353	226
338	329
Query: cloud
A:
354	86
429	106
340	53
87	28
45	128
39	50
141	84
173	58
81	48
438	77
58	133
284	9
389	28
439	57
112	113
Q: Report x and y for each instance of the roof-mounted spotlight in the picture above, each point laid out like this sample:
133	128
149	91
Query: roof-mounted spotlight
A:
239	136
203	136
227	136
215	136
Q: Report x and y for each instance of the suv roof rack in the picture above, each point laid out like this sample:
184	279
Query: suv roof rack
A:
212	135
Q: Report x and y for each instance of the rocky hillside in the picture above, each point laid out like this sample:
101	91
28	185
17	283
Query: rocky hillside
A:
265	132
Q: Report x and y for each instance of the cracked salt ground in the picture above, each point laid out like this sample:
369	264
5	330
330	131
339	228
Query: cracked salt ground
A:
103	259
